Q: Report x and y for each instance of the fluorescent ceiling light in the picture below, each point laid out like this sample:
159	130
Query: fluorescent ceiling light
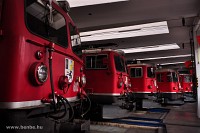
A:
151	48
78	3
127	31
172	63
166	57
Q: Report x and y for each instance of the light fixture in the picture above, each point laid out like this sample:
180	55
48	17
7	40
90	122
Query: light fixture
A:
126	31
166	57
172	63
78	3
38	73
151	48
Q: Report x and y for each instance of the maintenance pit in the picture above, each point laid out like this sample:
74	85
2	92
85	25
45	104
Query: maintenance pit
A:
154	118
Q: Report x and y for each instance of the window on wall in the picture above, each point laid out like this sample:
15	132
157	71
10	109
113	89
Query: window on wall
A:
119	64
96	62
39	22
150	72
136	72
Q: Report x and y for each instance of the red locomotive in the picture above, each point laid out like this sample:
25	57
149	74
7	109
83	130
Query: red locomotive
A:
42	75
143	82
186	82
106	74
142	77
169	88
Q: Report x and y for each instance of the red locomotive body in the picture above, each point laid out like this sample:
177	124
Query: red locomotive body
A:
186	82
143	80
106	75
39	71
169	87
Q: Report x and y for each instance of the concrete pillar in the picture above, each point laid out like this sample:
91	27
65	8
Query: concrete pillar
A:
196	31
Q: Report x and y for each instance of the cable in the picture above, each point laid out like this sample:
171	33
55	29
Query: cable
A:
70	106
83	114
58	119
65	108
51	79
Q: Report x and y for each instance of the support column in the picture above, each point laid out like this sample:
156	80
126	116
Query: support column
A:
196	32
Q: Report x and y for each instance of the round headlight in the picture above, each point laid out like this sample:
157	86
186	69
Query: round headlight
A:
38	73
42	73
120	83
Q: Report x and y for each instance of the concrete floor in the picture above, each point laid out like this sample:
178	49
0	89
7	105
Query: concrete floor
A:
180	119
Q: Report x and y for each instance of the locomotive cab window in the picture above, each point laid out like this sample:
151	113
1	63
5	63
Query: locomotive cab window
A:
187	78
75	40
172	77
119	64
136	72
49	24
150	72
96	62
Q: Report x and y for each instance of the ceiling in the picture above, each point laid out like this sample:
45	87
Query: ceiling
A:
181	17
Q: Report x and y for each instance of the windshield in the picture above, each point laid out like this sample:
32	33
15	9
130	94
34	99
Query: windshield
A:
96	62
187	78
136	72
75	40
150	72
172	77
38	20
119	64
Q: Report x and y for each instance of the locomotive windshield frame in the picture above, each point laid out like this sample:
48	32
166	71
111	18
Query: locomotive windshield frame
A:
37	18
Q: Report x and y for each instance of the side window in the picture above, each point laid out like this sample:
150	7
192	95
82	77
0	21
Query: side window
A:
75	40
150	72
119	64
136	72
169	77
96	62
37	16
90	61
181	79
174	77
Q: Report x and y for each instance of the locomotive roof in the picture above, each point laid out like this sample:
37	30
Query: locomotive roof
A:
93	51
141	64
166	70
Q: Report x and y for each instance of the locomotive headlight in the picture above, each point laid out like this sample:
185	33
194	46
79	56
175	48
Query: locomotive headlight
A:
149	87
38	73
120	82
129	85
42	73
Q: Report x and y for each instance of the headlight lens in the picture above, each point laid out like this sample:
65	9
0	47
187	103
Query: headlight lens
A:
42	73
38	73
120	83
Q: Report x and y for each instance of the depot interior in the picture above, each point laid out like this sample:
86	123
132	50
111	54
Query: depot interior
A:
165	33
